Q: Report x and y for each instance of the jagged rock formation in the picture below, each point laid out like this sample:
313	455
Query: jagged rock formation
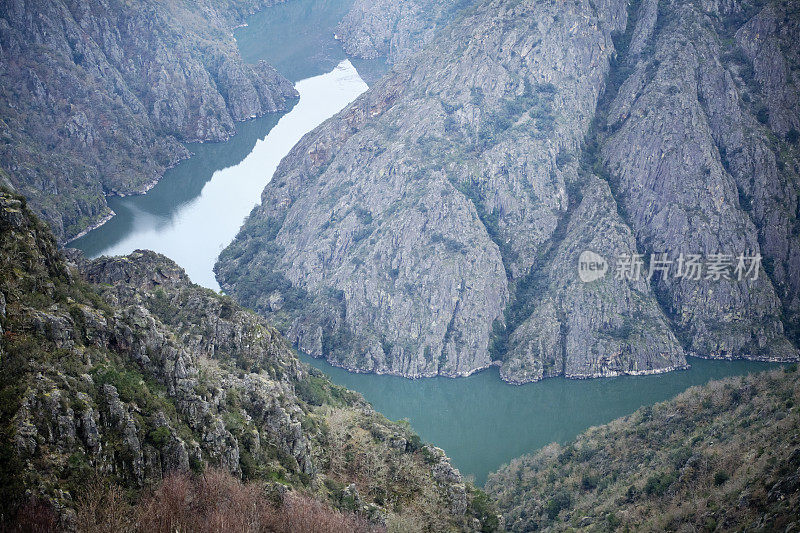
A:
709	177
97	96
722	456
140	373
434	226
604	328
394	30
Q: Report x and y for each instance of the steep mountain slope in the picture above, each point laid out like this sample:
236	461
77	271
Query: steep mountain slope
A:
96	97
724	456
395	30
714	178
435	226
142	373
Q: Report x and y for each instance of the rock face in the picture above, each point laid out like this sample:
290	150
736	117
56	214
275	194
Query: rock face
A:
695	172
395	30
602	328
97	97
435	225
121	367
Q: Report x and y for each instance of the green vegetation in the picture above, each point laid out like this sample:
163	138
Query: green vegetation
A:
114	385
252	260
535	102
725	453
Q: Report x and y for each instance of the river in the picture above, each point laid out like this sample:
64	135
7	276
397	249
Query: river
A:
193	228
199	205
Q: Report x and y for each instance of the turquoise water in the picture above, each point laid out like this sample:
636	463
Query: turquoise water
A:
482	422
179	186
192	227
199	205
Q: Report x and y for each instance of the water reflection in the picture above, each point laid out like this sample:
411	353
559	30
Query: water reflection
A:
179	186
193	227
309	27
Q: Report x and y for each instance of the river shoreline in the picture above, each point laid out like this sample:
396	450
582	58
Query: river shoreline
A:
201	208
152	183
477	417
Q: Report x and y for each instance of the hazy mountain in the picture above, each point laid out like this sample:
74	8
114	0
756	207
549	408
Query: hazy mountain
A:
97	96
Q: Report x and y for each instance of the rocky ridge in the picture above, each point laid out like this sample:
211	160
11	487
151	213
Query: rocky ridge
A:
395	30
122	369
98	97
695	171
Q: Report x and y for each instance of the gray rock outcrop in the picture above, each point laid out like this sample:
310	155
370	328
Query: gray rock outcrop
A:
120	369
98	97
433	227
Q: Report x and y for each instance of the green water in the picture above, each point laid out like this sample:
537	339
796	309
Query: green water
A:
199	205
179	187
482	422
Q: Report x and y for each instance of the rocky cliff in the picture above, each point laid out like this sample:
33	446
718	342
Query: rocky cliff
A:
435	225
121	369
395	30
724	456
97	97
698	165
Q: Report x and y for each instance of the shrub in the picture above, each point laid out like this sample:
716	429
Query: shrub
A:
363	214
217	501
414	443
762	115
484	510
589	482
560	501
564	158
720	478
476	96
36	516
312	390
658	484
451	245
159	436
103	507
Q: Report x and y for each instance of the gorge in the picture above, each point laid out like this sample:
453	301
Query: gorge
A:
340	266
191	228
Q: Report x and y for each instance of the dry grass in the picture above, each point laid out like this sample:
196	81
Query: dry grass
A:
35	516
213	502
217	501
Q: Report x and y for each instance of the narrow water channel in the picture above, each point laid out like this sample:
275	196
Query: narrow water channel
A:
198	207
483	422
